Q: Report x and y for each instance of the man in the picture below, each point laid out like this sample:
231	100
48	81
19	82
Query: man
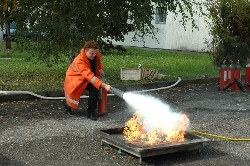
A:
84	73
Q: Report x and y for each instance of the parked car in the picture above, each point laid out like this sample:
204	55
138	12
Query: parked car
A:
12	30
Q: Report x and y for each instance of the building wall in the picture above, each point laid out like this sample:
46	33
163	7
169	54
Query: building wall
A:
172	35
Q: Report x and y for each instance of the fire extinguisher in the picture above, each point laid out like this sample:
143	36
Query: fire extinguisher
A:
103	99
237	76
247	76
223	75
230	76
239	85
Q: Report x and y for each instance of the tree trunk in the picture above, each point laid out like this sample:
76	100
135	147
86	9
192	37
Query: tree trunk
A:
74	52
7	30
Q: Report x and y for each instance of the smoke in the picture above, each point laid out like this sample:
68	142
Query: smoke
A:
156	114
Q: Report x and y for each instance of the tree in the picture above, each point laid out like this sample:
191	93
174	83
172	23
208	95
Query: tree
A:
8	8
230	30
62	26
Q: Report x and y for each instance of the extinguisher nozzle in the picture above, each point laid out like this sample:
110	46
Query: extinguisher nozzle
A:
246	85
117	92
228	85
241	86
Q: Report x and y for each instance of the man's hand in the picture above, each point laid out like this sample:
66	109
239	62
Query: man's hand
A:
106	86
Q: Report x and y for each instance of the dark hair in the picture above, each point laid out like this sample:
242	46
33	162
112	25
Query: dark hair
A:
91	44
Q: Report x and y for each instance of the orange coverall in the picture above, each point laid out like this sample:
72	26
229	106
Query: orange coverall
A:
78	75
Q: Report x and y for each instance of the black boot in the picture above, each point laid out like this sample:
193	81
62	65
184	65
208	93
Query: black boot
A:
68	109
92	115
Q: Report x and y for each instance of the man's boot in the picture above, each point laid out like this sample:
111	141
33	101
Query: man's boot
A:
91	115
67	109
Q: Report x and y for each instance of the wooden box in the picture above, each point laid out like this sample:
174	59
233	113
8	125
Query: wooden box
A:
130	73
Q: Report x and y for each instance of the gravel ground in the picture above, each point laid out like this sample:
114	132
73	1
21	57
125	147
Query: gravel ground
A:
38	133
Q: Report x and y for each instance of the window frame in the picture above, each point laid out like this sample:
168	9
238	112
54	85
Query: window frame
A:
160	15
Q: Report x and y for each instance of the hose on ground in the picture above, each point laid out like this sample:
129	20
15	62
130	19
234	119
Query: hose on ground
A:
218	136
83	96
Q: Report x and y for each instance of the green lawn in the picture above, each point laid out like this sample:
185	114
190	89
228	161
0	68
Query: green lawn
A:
17	73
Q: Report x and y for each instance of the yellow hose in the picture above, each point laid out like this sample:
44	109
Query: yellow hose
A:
218	136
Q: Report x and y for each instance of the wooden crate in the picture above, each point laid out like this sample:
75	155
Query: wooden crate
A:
130	73
148	73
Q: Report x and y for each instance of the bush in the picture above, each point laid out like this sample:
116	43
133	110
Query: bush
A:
230	30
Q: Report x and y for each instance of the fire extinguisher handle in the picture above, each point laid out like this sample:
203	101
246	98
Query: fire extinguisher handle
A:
104	79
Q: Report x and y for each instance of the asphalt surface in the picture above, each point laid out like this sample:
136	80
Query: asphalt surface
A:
36	132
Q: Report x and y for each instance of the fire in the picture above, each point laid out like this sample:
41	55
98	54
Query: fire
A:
142	130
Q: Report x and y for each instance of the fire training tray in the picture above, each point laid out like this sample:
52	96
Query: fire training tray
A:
115	138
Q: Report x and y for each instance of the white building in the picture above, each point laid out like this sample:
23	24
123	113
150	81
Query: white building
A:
172	35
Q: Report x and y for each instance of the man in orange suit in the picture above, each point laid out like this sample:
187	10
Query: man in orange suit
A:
84	74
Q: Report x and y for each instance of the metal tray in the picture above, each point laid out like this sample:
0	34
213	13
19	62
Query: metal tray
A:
115	138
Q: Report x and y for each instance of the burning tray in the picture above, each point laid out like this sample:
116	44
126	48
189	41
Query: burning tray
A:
115	138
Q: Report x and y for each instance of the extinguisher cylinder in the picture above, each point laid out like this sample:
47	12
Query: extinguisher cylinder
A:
103	99
247	75
231	75
237	75
223	75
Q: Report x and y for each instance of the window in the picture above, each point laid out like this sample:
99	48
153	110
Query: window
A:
160	17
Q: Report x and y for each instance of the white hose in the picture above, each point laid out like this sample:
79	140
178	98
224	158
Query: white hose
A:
167	87
30	93
83	96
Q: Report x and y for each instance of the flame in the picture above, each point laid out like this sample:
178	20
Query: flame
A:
142	130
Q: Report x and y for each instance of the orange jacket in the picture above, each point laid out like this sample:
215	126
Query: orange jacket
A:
78	76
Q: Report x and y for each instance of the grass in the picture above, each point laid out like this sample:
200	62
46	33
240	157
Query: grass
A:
19	74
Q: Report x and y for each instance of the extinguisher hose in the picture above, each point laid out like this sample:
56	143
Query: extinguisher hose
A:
218	136
83	96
